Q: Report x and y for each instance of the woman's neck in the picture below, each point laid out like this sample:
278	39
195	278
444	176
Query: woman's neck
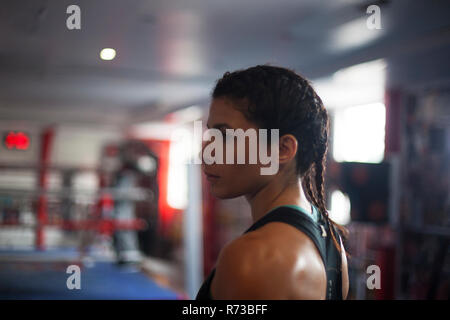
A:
276	193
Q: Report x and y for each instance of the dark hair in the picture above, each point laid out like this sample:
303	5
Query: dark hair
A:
278	98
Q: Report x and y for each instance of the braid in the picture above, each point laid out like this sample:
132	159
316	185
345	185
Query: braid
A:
321	195
309	188
319	165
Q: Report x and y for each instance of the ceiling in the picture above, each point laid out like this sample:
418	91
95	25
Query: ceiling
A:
169	53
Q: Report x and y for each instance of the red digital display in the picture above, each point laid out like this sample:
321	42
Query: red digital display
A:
16	140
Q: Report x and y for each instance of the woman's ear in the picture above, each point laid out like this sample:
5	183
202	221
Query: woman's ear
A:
288	148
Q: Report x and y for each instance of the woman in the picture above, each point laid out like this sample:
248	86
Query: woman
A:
292	250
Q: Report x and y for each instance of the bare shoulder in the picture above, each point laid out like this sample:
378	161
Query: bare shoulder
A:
273	262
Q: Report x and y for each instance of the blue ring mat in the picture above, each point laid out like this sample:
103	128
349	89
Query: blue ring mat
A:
42	275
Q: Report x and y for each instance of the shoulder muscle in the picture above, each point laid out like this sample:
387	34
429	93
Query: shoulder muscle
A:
243	271
259	266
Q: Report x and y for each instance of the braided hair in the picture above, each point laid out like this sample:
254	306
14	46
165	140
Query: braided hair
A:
278	98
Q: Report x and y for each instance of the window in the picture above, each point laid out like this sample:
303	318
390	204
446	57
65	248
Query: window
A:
358	133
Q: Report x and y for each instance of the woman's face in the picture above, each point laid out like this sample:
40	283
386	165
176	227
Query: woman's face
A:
231	180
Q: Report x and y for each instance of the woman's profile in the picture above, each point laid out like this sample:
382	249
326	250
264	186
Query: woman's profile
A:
293	250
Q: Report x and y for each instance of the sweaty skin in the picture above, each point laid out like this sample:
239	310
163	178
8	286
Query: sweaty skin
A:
276	261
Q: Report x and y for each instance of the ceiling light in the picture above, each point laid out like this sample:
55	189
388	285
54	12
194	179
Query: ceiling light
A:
107	54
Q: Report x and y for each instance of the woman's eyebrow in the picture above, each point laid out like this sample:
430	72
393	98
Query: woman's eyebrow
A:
220	125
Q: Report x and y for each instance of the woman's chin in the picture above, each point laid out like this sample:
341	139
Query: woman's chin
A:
223	194
219	195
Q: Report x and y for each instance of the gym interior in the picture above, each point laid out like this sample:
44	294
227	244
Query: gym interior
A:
99	102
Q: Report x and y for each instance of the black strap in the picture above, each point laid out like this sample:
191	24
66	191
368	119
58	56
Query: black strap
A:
300	221
333	267
319	233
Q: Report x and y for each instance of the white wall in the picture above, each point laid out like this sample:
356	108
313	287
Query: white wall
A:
76	145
